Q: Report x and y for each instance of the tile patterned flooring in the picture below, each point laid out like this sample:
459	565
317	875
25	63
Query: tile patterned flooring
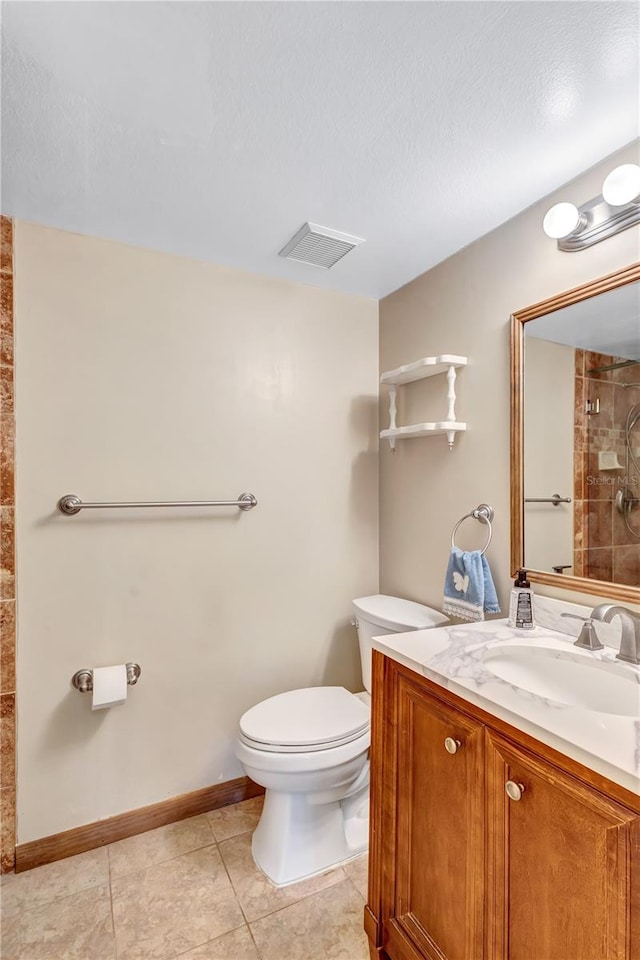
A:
190	891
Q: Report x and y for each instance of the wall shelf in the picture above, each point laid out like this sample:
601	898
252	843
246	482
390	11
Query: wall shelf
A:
420	370
424	429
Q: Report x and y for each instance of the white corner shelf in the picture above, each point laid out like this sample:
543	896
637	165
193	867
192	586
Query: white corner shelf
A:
419	370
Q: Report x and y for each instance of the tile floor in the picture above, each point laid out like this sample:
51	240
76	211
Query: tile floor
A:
188	890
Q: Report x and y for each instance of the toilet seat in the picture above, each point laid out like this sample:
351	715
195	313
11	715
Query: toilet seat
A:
306	720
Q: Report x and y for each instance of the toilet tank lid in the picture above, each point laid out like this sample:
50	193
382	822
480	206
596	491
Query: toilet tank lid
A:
397	614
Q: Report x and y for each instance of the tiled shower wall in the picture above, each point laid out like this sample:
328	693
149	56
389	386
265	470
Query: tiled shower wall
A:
605	548
7	562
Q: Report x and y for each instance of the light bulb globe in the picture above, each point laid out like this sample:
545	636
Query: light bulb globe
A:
622	185
561	220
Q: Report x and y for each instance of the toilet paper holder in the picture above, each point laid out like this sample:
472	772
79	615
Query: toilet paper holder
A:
82	679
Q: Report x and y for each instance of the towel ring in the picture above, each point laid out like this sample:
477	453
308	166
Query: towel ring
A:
484	513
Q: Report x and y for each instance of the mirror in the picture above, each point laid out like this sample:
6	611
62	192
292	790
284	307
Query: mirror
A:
575	438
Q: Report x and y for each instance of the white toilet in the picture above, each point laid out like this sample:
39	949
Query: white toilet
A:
309	749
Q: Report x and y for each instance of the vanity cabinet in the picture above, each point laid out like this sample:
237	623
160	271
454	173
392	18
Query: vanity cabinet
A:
556	862
440	814
459	869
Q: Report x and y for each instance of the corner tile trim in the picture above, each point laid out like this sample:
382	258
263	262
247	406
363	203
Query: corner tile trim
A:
7	555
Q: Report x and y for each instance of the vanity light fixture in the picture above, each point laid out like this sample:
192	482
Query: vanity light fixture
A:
576	228
622	185
562	220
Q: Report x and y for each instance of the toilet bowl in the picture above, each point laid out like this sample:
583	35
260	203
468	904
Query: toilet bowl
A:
309	749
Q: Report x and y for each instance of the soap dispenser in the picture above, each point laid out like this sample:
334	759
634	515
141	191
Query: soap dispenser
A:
521	604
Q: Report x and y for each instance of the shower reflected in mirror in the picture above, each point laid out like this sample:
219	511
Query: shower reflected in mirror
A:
628	496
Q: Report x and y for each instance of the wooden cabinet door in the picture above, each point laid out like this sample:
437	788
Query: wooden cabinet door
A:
559	864
437	908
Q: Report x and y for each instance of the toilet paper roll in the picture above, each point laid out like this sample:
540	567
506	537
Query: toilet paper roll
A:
109	686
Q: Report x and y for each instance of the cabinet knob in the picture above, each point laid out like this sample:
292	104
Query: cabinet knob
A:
514	790
451	745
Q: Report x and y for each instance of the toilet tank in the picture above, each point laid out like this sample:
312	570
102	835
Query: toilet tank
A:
379	615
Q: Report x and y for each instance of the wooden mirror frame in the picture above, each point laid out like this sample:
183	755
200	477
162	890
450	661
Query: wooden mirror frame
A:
576	295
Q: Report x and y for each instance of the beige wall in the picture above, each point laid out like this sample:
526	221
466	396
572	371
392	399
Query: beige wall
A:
549	401
146	376
463	306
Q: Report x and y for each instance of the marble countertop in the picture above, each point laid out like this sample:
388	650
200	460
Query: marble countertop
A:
453	657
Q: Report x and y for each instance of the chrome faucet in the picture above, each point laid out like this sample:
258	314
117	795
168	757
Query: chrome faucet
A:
630	639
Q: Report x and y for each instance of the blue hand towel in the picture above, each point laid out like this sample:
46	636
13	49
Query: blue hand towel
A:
469	592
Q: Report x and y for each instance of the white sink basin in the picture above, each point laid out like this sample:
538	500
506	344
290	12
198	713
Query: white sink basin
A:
567	676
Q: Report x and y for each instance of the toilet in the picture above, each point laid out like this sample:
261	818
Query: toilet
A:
309	749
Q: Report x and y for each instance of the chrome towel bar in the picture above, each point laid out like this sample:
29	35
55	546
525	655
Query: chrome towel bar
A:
555	499
71	504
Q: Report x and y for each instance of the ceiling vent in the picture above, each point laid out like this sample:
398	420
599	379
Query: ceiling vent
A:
319	246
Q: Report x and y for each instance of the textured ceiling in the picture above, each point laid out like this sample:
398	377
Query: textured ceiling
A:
214	130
